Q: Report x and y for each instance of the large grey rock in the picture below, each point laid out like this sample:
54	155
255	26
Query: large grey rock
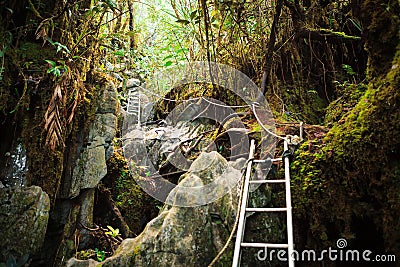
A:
153	145
90	167
103	128
182	236
192	236
108	100
24	213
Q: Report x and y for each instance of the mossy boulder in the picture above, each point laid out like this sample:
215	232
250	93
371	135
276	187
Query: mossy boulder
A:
23	219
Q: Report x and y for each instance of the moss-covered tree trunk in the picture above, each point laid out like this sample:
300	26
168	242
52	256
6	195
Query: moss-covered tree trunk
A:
348	184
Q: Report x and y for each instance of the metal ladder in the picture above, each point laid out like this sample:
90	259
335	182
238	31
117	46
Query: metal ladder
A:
243	209
133	105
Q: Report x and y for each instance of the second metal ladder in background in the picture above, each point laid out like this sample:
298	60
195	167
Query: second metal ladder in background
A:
239	244
133	106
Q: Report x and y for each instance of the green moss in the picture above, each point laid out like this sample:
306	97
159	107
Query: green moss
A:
350	95
32	56
340	34
134	204
136	250
354	170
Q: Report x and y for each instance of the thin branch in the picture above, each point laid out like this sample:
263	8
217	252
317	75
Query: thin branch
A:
270	50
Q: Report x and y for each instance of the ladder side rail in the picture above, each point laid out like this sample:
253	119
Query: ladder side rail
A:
139	108
289	220
242	216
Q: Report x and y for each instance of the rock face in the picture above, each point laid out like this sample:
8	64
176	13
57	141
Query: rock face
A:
24	213
192	236
90	167
85	166
183	236
13	169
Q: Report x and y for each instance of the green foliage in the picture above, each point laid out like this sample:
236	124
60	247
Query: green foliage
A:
56	70
350	95
352	172
306	176
349	70
303	104
100	254
59	47
163	39
85	254
113	232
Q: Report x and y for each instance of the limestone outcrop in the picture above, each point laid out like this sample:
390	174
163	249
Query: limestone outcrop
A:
192	236
24	213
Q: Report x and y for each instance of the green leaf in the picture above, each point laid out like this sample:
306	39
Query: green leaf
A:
119	53
168	57
62	47
193	14
168	63
356	24
50	41
348	69
214	13
51	62
183	21
113	232
111	4
56	72
166	11
182	50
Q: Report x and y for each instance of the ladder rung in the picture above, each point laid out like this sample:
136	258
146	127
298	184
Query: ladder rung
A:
265	160
264	245
267	181
265	209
